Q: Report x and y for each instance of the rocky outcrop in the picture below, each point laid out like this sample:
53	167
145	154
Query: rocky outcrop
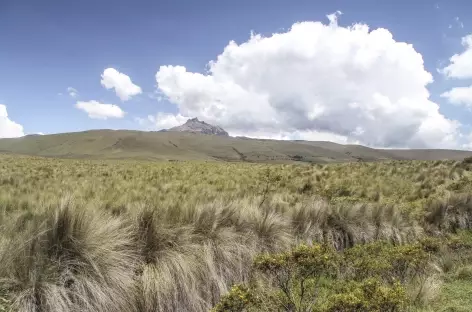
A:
196	126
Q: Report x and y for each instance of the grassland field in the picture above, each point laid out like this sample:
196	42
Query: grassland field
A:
125	235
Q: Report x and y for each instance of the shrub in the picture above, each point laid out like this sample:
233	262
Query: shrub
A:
297	273
370	277
370	295
238	299
467	160
390	263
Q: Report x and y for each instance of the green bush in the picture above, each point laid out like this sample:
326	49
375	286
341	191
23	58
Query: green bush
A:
371	277
297	273
382	260
301	262
237	299
370	295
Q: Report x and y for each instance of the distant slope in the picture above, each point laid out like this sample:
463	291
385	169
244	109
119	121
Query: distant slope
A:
192	146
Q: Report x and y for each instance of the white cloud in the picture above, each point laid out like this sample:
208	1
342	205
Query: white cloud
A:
162	121
298	135
156	95
461	64
125	89
468	142
459	96
315	80
459	22
9	128
72	92
96	110
333	17
460	67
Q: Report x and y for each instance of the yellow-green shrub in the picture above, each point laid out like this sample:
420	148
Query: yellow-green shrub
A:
391	263
238	299
371	277
370	295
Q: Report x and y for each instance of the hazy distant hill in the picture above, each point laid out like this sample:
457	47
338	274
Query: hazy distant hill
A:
172	145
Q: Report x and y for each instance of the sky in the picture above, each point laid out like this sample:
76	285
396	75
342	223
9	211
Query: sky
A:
379	73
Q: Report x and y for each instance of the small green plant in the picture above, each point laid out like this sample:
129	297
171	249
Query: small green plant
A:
270	181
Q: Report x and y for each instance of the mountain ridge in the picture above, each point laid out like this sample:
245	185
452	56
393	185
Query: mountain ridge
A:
174	145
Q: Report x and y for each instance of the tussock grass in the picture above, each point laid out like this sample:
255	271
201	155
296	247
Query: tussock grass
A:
464	273
190	256
424	291
450	214
69	260
171	259
344	225
137	236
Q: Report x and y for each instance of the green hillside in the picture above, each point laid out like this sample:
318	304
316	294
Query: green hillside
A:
122	144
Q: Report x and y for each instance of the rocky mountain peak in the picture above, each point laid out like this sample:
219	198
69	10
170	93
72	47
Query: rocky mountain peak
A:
196	126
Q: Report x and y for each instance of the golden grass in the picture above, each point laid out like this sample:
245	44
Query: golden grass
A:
142	236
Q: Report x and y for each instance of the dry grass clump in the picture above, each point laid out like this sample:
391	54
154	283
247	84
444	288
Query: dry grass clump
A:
450	214
344	226
189	256
68	259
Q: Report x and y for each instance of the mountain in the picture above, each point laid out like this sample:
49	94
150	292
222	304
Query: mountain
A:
196	126
175	145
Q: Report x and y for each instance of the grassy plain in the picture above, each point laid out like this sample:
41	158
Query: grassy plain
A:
116	235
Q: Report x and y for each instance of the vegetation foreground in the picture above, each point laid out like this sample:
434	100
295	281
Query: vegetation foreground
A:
180	236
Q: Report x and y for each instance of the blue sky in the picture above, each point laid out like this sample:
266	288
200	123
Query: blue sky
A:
49	46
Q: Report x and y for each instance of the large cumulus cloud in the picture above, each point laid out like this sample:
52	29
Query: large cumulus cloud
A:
316	81
9	128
